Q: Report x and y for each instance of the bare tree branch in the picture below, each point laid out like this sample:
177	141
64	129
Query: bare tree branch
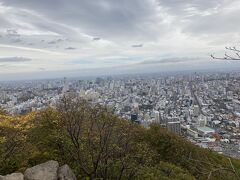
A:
233	56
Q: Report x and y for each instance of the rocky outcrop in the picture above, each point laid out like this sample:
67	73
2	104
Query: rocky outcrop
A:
46	171
65	173
13	176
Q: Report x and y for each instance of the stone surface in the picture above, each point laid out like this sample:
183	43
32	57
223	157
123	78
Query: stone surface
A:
65	173
13	176
45	171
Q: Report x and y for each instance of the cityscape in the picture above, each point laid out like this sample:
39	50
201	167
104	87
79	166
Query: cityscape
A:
119	90
204	108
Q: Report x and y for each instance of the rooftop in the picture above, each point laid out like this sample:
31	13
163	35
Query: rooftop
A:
206	129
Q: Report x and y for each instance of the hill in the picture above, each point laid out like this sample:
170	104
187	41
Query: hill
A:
98	145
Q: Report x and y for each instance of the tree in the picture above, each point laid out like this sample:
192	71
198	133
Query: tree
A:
98	145
201	163
3	111
11	144
165	171
102	145
232	54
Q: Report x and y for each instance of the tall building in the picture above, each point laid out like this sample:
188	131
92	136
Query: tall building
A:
196	110
135	108
202	121
174	127
134	118
65	86
3	95
156	116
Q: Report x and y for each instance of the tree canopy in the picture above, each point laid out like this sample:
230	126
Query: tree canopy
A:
99	145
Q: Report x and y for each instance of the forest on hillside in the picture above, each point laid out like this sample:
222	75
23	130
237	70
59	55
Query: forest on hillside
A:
98	145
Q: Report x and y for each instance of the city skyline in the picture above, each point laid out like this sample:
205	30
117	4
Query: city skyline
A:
41	39
187	104
119	89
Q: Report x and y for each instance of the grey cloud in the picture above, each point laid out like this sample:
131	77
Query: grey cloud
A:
59	40
96	39
4	22
12	32
169	60
3	65
123	25
52	42
42	69
16	40
55	41
105	17
70	48
14	60
130	19
219	23
137	45
182	7
204	17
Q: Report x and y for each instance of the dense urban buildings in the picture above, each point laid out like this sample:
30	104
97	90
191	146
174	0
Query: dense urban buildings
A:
202	107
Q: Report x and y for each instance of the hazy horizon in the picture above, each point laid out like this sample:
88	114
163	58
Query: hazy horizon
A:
57	38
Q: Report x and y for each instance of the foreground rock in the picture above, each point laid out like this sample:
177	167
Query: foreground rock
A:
45	171
65	173
13	176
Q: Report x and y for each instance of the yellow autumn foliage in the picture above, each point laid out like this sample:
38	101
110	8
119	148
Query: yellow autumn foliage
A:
17	122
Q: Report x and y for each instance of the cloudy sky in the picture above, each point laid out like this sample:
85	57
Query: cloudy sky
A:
48	38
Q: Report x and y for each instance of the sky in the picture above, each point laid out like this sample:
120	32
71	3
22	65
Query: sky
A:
55	38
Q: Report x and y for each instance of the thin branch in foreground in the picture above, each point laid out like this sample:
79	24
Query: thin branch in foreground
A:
235	56
226	57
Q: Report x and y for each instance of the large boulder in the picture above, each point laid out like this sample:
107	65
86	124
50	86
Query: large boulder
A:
65	173
45	171
13	176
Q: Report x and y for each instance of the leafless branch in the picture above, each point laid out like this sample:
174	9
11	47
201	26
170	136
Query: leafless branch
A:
233	56
216	168
232	49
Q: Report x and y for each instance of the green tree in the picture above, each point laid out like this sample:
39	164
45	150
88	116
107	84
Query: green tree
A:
3	111
165	171
102	145
202	163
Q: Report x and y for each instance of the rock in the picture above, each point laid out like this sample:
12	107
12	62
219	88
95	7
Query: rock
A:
45	171
13	176
65	173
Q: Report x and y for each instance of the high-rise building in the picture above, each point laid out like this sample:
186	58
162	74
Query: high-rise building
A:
65	86
134	118
174	127
196	110
202	120
3	95
156	116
